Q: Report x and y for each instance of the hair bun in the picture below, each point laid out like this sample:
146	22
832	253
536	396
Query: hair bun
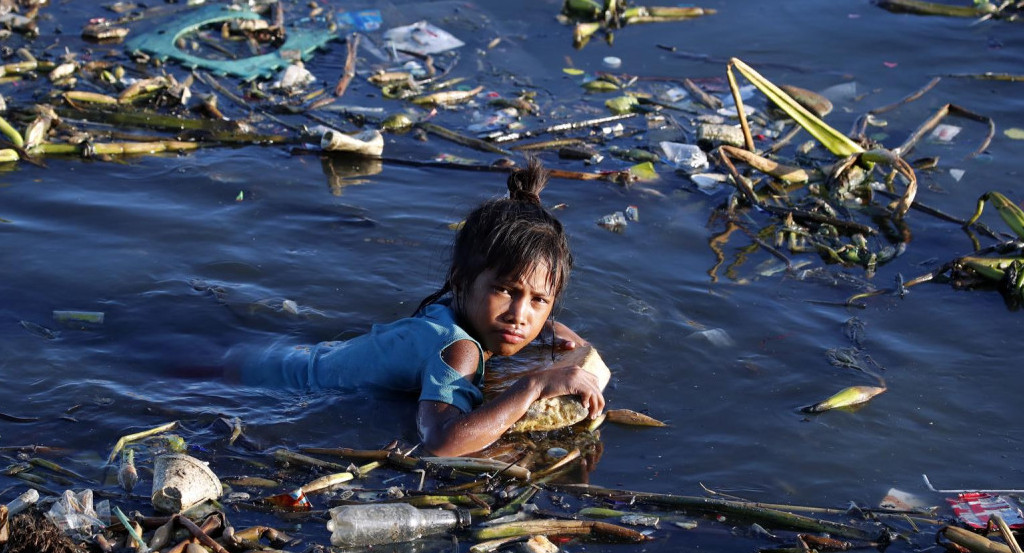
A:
525	184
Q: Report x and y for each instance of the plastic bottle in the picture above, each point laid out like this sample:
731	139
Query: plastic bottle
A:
374	524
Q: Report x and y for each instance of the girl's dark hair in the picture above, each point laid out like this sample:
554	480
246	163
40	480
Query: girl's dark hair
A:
510	235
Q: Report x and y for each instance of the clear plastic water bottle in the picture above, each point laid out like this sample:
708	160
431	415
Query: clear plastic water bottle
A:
380	523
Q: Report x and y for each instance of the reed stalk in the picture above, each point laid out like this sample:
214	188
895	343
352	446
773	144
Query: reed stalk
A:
595	529
752	511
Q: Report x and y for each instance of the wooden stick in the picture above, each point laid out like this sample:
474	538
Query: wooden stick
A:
201	533
785	173
474	143
705	98
1004	530
907	99
350	66
934	120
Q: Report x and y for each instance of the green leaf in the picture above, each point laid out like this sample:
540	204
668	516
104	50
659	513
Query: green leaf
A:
1015	133
854	395
836	142
644	172
599	85
622	104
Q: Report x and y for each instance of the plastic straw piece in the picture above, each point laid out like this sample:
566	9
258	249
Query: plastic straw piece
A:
143	548
932	488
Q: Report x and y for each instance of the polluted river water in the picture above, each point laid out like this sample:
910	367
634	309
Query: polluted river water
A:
190	254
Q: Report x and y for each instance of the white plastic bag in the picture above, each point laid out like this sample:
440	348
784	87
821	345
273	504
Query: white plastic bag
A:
74	513
422	38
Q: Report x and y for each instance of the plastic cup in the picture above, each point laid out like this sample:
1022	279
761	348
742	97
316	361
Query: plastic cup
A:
181	482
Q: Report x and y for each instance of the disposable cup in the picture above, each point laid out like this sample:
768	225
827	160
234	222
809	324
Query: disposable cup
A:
181	482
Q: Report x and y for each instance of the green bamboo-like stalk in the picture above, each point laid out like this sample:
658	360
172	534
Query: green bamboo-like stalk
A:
836	142
127	439
19	67
470	464
600	512
216	131
437	500
753	511
612	532
116	148
972	541
84	96
50	465
11	133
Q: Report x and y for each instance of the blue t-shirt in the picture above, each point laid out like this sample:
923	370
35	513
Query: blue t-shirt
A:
402	356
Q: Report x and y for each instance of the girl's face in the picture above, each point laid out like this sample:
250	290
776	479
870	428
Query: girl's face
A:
505	314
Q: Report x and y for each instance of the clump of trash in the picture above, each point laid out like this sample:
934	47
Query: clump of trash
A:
352	497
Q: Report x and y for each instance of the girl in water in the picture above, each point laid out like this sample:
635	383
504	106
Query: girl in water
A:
509	264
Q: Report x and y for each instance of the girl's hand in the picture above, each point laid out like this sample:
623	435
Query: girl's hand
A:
572	380
565	338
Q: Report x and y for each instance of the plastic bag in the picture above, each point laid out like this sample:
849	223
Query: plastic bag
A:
422	38
74	513
687	157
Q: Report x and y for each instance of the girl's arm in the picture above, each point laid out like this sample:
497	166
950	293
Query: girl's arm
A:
447	431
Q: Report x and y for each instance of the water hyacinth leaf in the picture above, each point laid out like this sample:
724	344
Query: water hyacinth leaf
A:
992	268
847	397
836	142
632	418
1012	214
